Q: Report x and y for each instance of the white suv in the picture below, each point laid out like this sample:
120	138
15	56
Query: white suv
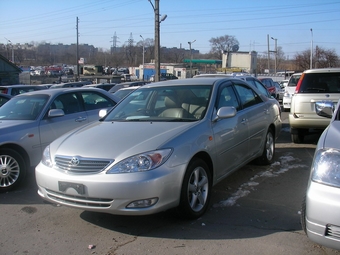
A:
314	85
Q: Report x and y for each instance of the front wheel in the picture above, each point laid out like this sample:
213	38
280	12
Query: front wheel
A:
195	192
303	215
268	152
12	169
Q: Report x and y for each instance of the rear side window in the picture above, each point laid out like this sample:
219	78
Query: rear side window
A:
320	83
267	83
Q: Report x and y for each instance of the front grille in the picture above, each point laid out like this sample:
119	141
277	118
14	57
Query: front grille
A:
79	165
333	231
78	200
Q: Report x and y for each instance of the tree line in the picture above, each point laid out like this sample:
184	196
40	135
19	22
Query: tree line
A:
131	54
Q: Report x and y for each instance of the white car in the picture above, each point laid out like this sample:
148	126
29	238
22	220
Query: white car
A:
289	91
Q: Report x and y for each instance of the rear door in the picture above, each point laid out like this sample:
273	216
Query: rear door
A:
256	114
231	134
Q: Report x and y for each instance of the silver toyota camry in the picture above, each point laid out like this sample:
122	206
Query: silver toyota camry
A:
163	146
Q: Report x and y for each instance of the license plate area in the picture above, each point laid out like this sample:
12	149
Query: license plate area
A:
80	188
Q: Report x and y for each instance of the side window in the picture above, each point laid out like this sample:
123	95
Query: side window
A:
69	103
93	101
262	89
247	95
227	97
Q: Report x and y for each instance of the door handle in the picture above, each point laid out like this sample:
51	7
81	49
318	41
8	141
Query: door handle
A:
80	119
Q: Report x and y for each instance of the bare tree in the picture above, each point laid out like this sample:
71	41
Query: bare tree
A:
321	58
221	44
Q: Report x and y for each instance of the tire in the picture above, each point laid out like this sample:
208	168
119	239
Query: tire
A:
298	135
268	153
303	215
12	169
195	192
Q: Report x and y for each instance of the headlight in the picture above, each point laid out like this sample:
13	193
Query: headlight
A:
286	94
46	157
141	162
326	167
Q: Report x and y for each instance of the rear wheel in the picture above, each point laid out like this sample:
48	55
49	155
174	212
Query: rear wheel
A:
298	135
12	169
195	192
267	156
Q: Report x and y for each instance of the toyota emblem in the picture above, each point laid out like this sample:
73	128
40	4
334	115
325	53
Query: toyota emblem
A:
75	161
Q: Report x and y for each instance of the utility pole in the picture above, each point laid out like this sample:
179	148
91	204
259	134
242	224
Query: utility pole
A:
157	42
143	54
268	54
311	50
77	52
191	57
275	39
157	39
10	43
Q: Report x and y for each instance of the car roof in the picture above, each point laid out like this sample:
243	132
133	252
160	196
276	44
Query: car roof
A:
128	88
54	92
19	86
6	95
323	70
196	81
294	74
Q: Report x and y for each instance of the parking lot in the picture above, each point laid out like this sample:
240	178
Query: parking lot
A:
254	211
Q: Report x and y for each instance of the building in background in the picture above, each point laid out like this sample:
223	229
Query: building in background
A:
9	72
239	62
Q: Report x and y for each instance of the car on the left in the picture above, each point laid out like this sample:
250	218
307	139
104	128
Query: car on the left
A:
32	120
4	98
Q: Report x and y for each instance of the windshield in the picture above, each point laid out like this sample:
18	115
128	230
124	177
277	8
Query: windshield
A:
173	103
23	107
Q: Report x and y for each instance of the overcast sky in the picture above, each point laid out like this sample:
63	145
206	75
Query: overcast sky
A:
250	21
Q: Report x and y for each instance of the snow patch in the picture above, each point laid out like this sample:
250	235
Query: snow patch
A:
285	163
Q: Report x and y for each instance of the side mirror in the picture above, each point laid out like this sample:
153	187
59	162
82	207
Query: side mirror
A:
102	113
55	113
225	112
324	108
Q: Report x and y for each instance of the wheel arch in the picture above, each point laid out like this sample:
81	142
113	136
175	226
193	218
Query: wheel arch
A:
207	159
19	150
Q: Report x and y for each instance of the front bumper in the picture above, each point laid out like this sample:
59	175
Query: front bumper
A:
112	193
322	215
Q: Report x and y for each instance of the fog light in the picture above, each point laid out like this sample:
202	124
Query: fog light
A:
143	203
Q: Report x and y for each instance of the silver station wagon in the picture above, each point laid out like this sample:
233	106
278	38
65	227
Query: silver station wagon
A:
163	146
32	120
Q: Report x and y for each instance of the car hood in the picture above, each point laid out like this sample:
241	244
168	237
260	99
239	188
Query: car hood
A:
332	137
117	140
